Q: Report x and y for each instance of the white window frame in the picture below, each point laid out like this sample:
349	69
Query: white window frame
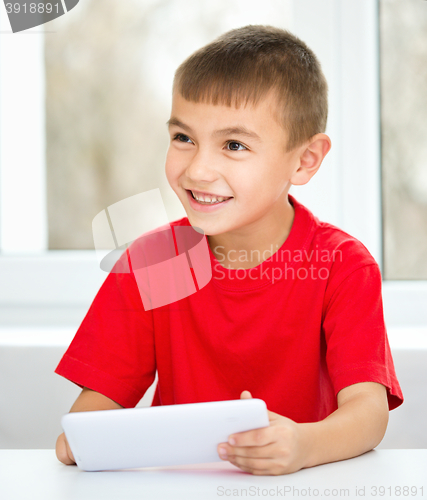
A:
38	286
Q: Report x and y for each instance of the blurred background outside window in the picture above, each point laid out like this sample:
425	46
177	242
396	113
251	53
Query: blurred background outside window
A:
403	70
109	71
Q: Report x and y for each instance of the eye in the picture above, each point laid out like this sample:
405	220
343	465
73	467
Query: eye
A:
183	138
178	137
238	144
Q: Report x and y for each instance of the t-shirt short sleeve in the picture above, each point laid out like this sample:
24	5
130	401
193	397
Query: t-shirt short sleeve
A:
113	350
356	338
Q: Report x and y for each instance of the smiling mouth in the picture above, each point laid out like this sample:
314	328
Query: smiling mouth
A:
210	199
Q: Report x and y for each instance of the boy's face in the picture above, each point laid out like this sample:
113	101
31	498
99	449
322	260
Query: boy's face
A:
254	171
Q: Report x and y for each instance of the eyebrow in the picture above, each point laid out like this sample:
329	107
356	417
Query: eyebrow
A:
236	130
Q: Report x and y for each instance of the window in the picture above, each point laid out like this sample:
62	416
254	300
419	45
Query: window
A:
109	71
403	43
94	88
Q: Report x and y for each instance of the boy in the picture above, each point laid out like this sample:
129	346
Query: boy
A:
293	312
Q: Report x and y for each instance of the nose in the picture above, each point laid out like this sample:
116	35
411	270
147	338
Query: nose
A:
201	168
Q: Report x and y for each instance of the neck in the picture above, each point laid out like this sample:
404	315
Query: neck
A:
250	246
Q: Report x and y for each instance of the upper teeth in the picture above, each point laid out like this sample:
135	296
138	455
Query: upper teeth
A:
208	198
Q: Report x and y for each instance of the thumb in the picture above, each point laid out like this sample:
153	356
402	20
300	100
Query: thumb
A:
273	416
246	395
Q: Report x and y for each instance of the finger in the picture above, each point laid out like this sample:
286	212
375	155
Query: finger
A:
254	437
273	416
246	395
257	466
69	452
227	452
62	451
269	451
254	472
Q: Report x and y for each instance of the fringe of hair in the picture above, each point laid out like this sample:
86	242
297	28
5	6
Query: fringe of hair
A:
245	64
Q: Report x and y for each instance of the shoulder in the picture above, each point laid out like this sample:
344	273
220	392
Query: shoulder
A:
353	273
342	247
181	222
150	248
339	256
329	243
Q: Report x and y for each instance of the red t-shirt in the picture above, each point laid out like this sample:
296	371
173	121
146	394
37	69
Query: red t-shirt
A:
294	331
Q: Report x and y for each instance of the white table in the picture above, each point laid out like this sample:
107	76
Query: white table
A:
36	474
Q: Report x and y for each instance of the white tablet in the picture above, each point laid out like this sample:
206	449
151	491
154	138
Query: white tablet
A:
158	435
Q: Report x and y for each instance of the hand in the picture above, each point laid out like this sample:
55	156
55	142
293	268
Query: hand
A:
63	451
278	449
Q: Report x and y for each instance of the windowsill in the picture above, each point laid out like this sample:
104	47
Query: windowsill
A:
400	338
50	336
407	338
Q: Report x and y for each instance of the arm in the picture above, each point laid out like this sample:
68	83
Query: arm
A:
88	400
357	426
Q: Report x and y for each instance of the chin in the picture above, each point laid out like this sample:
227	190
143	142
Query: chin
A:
207	231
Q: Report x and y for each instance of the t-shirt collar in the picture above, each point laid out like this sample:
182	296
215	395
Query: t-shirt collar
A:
267	272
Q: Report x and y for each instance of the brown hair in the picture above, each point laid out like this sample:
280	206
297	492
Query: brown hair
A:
246	63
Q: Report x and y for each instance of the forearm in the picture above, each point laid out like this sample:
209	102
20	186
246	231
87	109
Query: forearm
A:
88	400
354	428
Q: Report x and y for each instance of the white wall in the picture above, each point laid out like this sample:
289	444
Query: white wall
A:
33	398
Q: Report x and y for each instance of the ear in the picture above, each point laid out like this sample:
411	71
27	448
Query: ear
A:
310	158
